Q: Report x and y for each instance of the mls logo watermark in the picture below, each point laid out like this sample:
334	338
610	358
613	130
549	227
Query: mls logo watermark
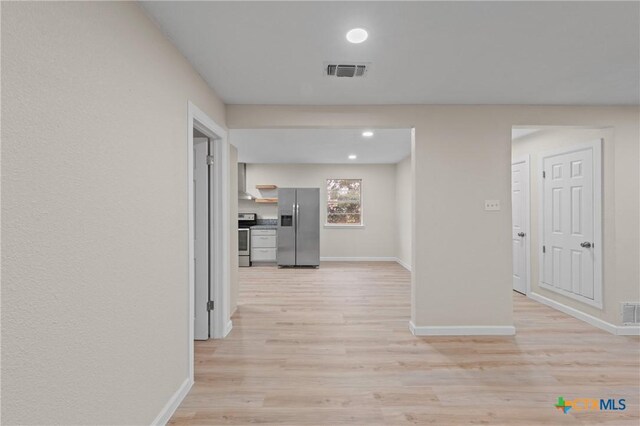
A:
590	404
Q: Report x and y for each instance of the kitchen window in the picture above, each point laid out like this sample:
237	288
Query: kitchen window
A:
344	202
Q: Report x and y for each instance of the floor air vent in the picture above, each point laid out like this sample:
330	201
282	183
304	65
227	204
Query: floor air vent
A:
631	313
346	70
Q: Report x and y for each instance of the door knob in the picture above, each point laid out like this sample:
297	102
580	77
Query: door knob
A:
521	234
586	244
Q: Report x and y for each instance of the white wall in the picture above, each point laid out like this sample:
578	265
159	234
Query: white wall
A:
375	239
462	154
403	212
614	291
94	213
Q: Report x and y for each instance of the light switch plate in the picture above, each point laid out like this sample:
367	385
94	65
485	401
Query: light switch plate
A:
492	205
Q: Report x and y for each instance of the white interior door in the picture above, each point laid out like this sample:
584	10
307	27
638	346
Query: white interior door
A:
520	223
571	215
201	222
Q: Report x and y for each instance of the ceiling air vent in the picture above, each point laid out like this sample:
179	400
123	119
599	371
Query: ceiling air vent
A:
346	70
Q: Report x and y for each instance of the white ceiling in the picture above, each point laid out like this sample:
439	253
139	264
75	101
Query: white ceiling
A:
320	145
421	52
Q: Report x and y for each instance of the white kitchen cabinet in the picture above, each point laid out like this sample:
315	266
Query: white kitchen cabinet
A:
263	254
263	232
264	244
263	241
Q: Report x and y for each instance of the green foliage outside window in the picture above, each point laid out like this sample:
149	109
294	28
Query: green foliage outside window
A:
344	201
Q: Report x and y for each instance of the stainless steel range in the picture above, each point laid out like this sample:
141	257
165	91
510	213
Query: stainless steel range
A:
245	222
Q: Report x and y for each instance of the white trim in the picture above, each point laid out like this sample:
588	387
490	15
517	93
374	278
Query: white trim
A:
326	202
367	259
190	241
596	146
221	230
228	328
196	118
628	330
527	216
462	330
174	402
589	319
358	259
404	264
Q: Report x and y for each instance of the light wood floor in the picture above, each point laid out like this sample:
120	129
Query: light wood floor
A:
332	346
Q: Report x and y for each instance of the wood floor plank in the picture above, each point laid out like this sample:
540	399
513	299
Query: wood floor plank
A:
331	346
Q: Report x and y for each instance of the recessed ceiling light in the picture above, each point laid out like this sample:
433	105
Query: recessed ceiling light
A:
352	157
367	133
357	35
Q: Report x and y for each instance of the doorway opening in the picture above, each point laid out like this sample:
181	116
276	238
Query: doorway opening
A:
363	181
208	229
557	215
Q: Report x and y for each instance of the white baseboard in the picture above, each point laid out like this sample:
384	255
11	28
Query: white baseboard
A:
628	330
174	402
367	259
404	265
358	259
631	330
463	330
228	328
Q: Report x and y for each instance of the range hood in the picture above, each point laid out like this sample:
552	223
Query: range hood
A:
242	183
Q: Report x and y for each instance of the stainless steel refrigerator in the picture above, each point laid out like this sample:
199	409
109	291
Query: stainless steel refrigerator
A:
298	226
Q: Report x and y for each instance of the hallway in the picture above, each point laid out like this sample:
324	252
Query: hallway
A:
332	346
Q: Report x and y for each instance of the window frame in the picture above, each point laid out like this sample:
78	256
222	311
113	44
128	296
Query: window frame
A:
326	206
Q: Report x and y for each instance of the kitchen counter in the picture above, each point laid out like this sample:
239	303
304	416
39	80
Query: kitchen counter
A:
264	227
266	224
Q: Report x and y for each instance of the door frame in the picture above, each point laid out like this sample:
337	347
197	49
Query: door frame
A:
596	147
527	216
219	233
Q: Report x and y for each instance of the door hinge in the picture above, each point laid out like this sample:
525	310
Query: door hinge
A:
544	174
544	249
210	305
209	160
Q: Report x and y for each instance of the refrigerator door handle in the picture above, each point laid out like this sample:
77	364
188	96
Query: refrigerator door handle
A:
296	210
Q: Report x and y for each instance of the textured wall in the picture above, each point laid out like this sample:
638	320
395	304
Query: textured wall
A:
94	213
